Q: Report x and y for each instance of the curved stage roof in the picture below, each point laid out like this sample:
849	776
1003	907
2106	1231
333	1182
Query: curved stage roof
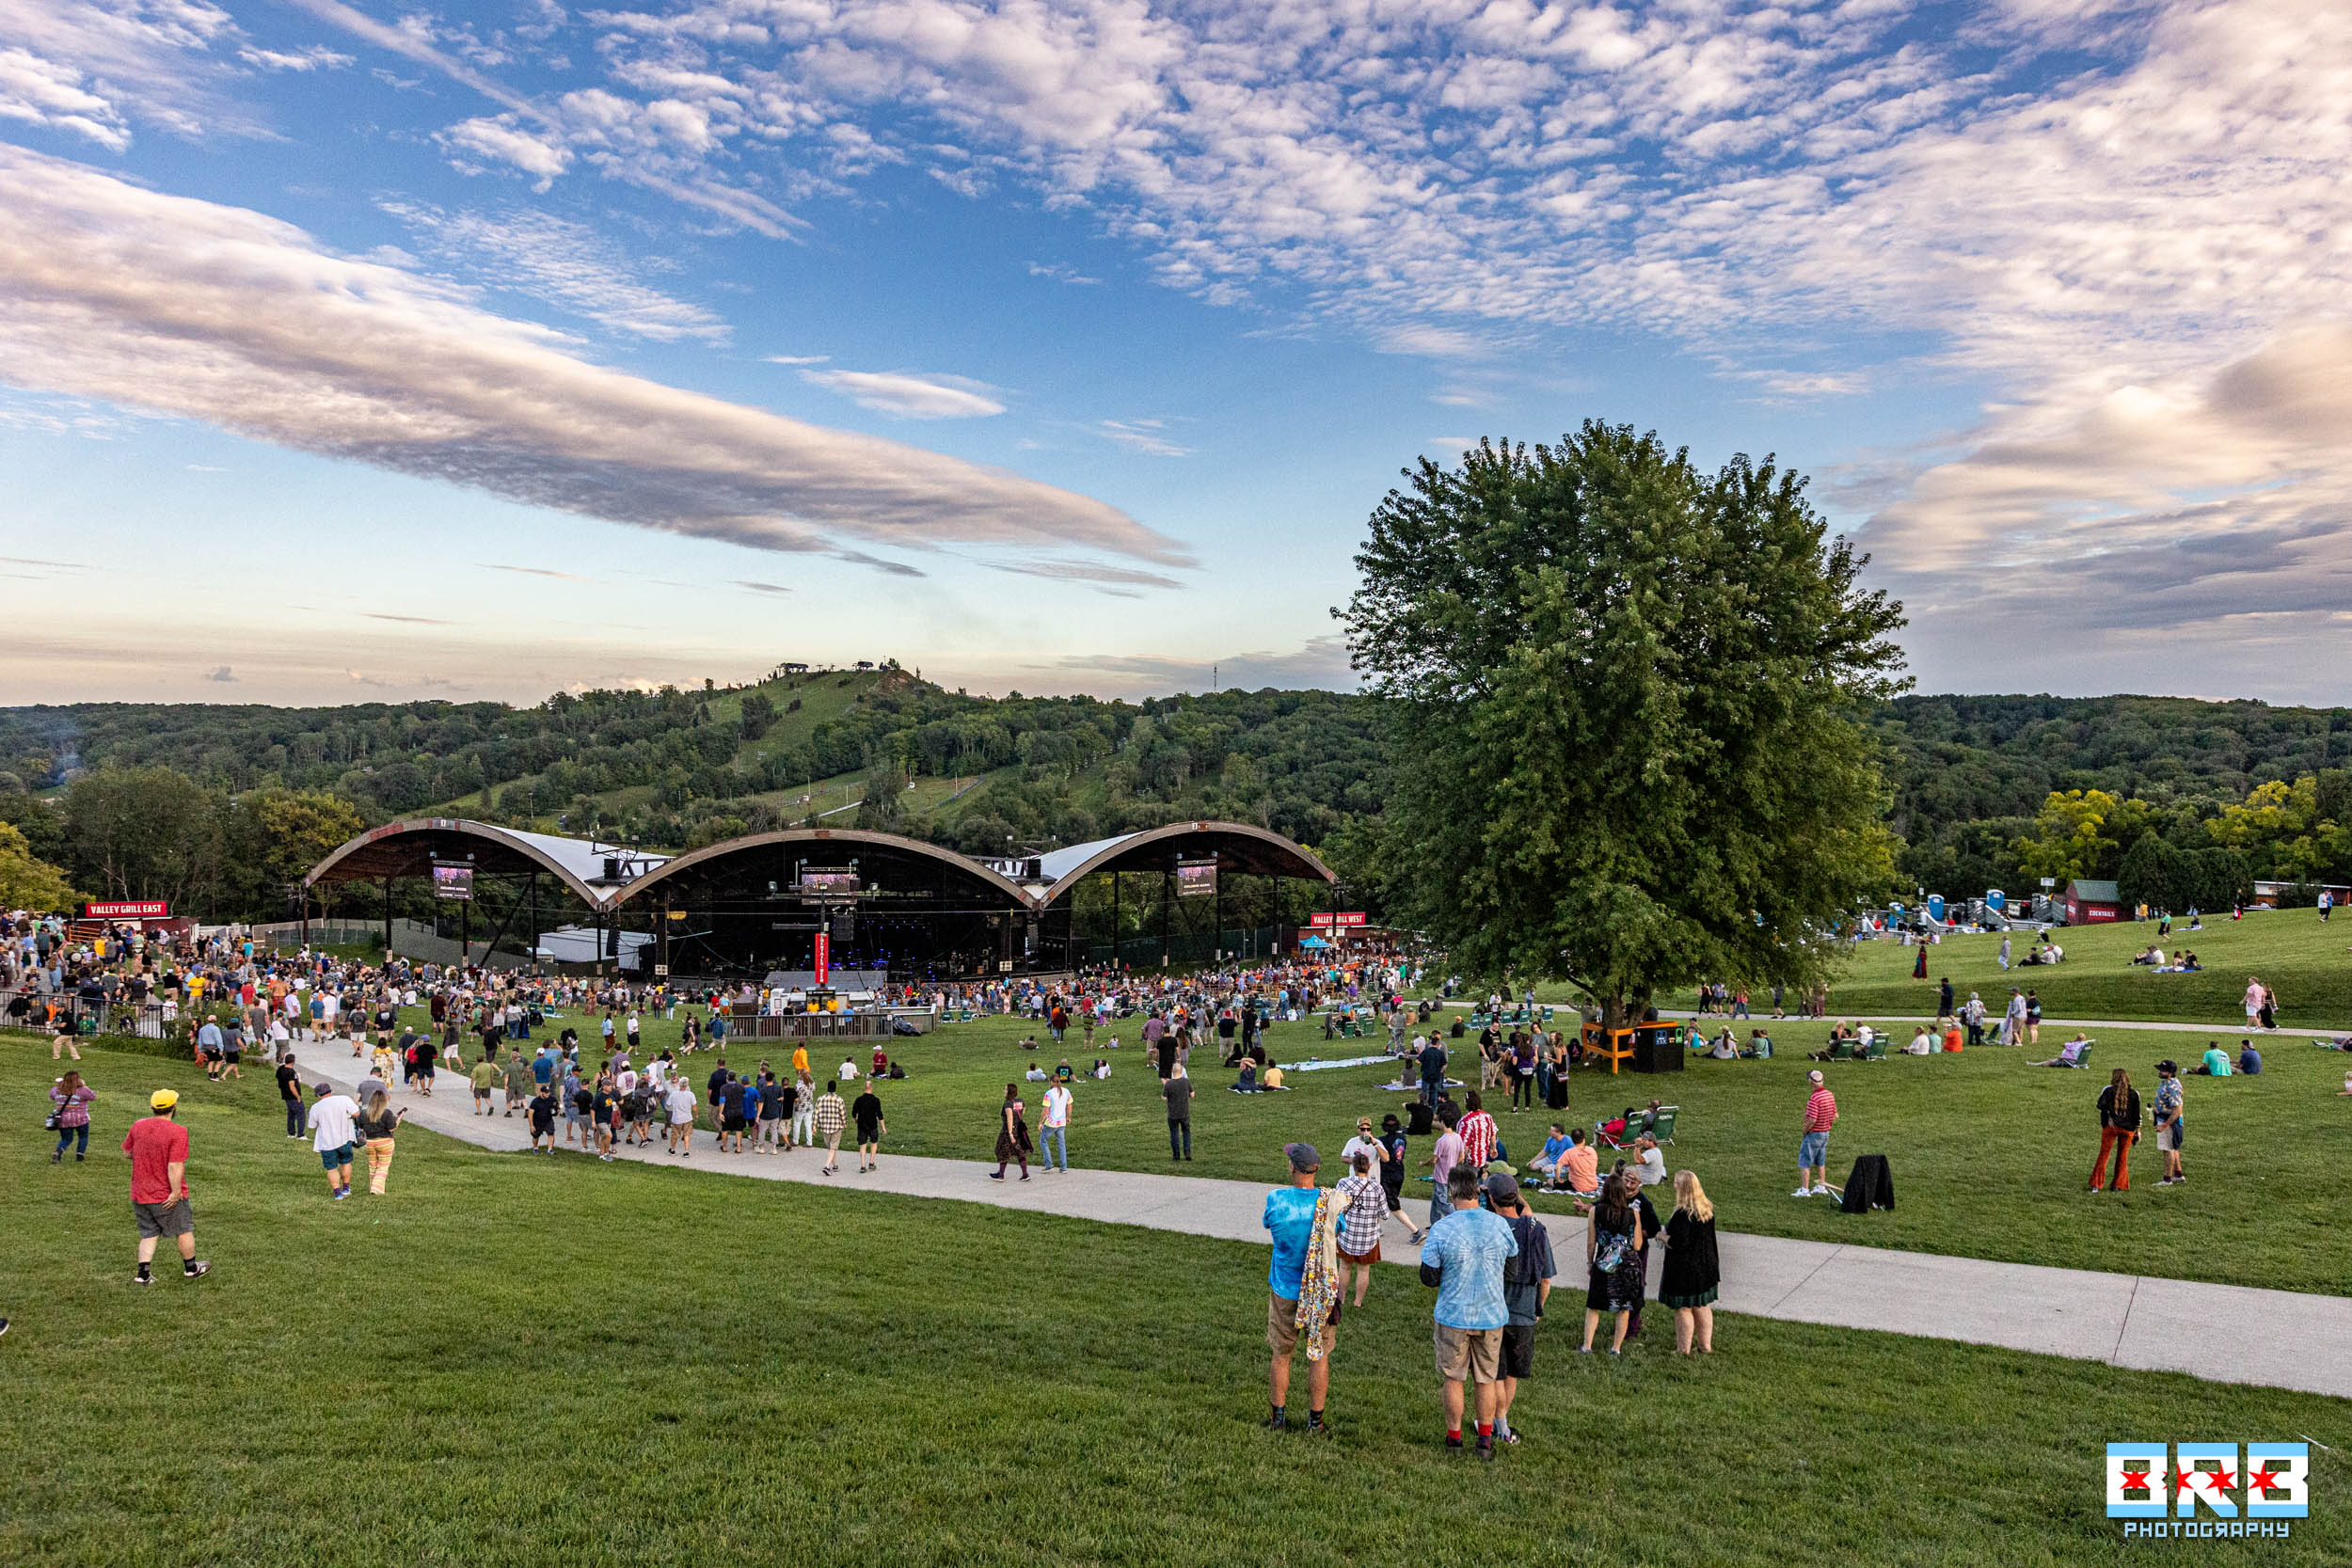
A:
586	866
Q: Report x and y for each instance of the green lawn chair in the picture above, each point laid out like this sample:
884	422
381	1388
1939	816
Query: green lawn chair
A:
1841	1051
1875	1050
1665	1130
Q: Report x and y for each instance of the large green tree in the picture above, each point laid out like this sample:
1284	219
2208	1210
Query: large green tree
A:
1627	751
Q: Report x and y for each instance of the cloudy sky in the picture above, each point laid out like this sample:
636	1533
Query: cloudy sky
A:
350	351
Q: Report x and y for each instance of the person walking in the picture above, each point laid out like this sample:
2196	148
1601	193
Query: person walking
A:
158	1147
1463	1257
803	1110
2119	1129
1012	1135
376	1122
2172	1127
485	1077
1057	1099
1820	1115
1693	1270
866	1111
333	1126
2254	994
63	1040
1445	1155
679	1102
1177	1091
1612	1252
1302	1288
2005	950
831	1117
69	1100
1526	1288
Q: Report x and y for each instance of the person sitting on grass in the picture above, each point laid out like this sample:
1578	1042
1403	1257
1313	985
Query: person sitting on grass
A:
1102	1068
1272	1078
2214	1063
1922	1043
1548	1160
1248	1082
2151	955
2187	963
1578	1169
2249	1060
1760	1046
1036	1073
1723	1049
2070	1055
1649	1167
1064	1072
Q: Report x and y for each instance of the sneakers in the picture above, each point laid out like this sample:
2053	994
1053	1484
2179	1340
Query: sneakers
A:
1277	1422
1452	1442
1802	1192
142	1279
197	1270
342	1192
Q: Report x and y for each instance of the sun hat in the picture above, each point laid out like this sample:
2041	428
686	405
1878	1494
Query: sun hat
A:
163	1099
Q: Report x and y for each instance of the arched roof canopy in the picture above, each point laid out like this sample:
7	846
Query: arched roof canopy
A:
1236	847
741	868
411	848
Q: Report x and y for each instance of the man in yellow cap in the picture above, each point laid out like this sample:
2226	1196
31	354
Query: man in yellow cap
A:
158	1147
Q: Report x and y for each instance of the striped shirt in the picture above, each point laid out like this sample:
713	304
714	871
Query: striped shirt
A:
830	1114
1478	1139
1820	1111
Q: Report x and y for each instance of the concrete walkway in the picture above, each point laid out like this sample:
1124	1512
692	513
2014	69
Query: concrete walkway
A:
2223	1333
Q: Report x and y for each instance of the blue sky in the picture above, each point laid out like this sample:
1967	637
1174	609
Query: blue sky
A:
349	351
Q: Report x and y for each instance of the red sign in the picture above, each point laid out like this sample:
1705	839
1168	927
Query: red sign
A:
1345	917
824	956
136	908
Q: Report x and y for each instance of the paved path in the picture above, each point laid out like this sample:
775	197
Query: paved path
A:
2224	1332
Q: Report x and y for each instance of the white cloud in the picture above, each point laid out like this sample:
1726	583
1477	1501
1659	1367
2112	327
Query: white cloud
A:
564	263
1061	273
910	397
95	68
1147	437
226	316
797	358
316	57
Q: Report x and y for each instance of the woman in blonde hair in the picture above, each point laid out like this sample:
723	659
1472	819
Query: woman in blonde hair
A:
1693	1271
377	1124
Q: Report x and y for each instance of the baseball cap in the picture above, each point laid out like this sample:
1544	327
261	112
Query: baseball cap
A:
1503	1188
1815	1075
2168	1065
163	1099
1303	1157
321	1087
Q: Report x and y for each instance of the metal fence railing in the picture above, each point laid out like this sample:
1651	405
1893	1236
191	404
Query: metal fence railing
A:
42	1012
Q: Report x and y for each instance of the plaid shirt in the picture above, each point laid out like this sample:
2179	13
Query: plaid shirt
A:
1367	1210
830	1114
1478	1139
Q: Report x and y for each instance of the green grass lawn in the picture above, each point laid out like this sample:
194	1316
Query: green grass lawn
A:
1991	1157
510	1361
2306	962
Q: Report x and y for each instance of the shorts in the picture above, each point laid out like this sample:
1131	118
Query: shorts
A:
1518	1351
1396	1199
163	1219
339	1155
2169	1137
1372	1256
1813	1149
1282	1325
1469	1355
234	1054
731	1124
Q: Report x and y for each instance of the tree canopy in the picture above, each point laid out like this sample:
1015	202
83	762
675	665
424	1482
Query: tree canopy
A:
1628	748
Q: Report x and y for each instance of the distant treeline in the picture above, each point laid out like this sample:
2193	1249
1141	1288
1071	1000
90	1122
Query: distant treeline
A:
1984	791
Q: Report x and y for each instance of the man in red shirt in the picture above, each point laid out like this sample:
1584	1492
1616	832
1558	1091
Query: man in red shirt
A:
1820	1115
158	1147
